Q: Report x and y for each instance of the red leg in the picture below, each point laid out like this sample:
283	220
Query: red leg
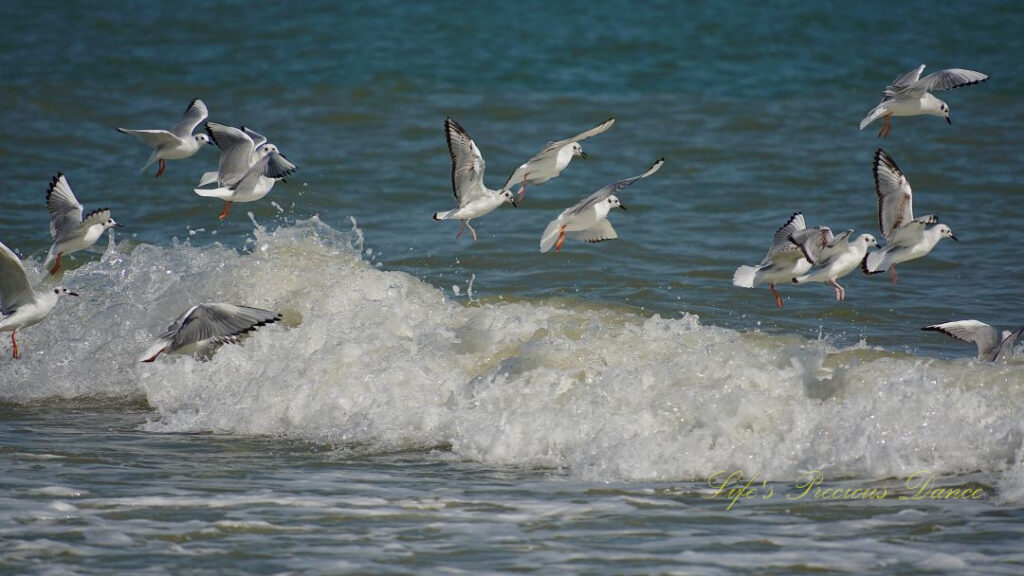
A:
886	126
227	210
462	226
471	230
892	274
160	170
840	291
54	269
154	356
561	239
778	297
14	343
522	188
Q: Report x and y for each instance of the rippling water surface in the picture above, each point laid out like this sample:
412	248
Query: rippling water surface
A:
432	404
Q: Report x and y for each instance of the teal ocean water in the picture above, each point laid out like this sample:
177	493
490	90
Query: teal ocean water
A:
431	404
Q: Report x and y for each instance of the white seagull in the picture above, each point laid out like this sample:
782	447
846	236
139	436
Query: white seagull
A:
588	219
245	173
176	143
259	151
831	257
909	95
473	197
20	306
991	343
554	158
203	328
906	238
70	231
784	261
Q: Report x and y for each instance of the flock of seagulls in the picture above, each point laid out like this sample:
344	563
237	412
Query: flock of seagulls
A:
799	254
249	166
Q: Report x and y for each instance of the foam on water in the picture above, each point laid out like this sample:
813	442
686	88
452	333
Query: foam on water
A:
376	361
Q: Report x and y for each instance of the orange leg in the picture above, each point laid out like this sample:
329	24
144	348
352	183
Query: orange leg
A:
14	343
778	297
840	291
886	126
522	188
471	230
462	228
893	277
561	239
227	210
54	269
154	356
160	170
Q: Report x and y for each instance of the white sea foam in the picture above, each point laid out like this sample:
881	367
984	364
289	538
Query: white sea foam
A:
377	361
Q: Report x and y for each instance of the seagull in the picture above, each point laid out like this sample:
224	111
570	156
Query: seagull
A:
909	95
473	197
204	327
588	219
906	238
20	306
991	343
259	151
784	261
178	142
831	257
555	157
69	230
246	173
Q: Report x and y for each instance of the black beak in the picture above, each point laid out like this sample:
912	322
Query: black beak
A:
118	225
70	293
514	205
621	205
953	236
949	120
583	154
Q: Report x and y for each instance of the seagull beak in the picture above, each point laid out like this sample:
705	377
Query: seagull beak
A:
623	206
582	154
513	203
953	236
118	225
72	293
949	120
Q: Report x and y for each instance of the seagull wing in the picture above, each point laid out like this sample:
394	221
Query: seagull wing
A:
985	336
467	164
812	242
274	166
15	291
612	188
257	138
65	210
948	79
597	233
235	152
895	198
781	247
554	147
216	321
194	115
902	82
154	138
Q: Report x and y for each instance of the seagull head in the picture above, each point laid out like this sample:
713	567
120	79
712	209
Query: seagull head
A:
62	291
945	232
577	150
509	197
869	240
203	139
613	202
111	223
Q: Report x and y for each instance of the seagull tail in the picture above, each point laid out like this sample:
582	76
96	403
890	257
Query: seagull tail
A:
744	276
208	178
222	193
550	235
438	216
50	256
152	158
876	113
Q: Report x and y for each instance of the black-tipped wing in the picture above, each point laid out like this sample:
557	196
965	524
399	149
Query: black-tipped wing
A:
895	198
948	79
194	115
257	138
65	210
781	243
216	322
610	189
985	336
273	165
467	163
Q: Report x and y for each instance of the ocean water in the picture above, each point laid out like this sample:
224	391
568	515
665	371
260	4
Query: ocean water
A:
430	404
